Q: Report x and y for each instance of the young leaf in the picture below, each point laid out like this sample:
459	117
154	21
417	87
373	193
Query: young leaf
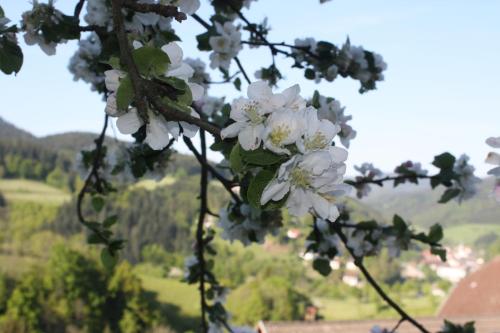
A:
237	83
110	221
449	194
235	160
444	161
150	60
11	56
108	259
124	94
435	233
257	185
322	266
260	157
97	203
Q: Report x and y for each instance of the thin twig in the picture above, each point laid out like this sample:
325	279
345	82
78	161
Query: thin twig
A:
380	181
200	243
163	10
78	9
402	320
240	66
359	263
228	185
93	174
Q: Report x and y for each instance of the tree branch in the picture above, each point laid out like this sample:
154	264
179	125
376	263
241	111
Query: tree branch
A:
200	243
240	66
93	174
163	10
359	263
380	181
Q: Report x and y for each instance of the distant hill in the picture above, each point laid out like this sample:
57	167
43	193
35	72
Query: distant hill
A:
419	205
11	132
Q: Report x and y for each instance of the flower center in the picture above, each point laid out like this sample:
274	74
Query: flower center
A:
279	134
300	177
252	111
318	141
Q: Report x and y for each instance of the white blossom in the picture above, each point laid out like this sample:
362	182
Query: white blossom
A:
250	226
180	69
332	110
318	133
368	170
312	181
282	128
98	13
210	105
85	57
357	242
189	263
493	157
41	14
200	74
225	45
249	115
467	181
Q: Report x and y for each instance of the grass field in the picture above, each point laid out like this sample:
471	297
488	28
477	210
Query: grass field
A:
28	190
354	309
151	184
469	233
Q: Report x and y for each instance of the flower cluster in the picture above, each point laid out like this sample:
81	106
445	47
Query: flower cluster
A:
368	173
329	108
247	224
324	60
83	64
466	182
99	14
312	177
494	159
158	129
225	45
34	21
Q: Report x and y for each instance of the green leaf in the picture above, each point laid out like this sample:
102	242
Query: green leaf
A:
97	203
315	99
110	221
310	74
439	251
203	41
108	259
237	84
235	160
150	60
399	223
444	161
261	157
322	266
11	56
124	94
93	238
435	233
449	194
257	185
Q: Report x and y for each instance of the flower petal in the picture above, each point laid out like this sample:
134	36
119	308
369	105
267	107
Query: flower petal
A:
232	130
493	158
250	137
275	190
174	52
493	142
129	122
183	71
157	135
259	90
197	91
189	6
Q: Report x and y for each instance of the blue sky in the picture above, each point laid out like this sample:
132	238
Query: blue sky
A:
440	93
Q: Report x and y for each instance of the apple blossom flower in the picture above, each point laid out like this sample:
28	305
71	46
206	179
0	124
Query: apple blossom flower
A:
332	110
318	134
283	128
250	113
225	45
82	62
466	180
493	157
312	182
180	69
